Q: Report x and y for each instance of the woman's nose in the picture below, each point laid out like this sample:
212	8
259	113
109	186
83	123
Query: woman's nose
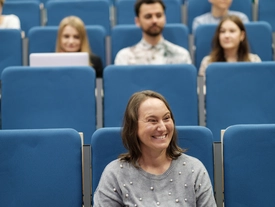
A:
161	126
71	40
226	34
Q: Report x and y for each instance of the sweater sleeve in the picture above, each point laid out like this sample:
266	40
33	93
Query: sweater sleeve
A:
102	200
108	192
203	187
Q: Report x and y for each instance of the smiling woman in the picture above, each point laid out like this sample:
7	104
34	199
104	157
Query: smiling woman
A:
72	37
154	171
229	44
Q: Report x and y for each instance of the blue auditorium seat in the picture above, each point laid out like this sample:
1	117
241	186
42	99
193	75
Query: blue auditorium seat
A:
11	48
239	93
248	156
178	83
266	12
49	97
92	12
40	167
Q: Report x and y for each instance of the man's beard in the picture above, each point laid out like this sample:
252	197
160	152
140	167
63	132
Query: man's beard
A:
153	33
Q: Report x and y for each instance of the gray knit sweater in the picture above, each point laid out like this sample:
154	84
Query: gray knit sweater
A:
185	184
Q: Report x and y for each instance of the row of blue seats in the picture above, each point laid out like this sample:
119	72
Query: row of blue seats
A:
111	2
237	93
43	39
45	168
98	12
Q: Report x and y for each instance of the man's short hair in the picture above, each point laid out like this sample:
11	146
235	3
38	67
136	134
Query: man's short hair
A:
140	2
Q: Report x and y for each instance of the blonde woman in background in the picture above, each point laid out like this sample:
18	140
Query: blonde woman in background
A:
229	44
72	37
10	21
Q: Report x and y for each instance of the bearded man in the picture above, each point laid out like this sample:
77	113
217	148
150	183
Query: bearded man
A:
152	48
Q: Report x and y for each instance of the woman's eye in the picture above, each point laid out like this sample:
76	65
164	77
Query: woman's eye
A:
167	118
152	120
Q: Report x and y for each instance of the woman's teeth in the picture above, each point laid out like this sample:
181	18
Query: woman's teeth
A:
160	137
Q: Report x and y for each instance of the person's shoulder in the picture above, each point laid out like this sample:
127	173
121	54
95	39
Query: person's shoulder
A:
125	49
238	13
11	21
203	16
129	49
175	47
190	161
241	15
206	59
118	164
204	63
11	17
113	167
254	58
124	52
122	56
114	164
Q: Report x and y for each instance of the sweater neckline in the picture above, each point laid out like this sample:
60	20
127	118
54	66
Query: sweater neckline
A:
158	177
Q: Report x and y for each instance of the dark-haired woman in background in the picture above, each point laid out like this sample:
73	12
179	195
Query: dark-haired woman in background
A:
229	44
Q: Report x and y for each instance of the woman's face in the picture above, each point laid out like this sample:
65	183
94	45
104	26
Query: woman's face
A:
155	126
230	35
70	39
